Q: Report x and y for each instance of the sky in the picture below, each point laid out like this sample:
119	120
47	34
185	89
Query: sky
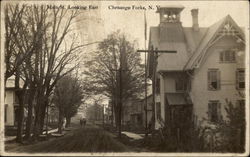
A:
132	21
104	21
96	24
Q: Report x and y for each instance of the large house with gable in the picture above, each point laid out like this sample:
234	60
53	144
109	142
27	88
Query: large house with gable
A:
207	68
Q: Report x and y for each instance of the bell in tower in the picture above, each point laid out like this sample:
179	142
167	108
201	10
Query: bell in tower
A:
170	27
170	14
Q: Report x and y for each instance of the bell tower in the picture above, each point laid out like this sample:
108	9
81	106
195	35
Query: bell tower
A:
170	14
170	27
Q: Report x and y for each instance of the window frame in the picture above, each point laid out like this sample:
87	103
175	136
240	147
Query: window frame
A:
182	82
227	56
209	80
238	81
217	109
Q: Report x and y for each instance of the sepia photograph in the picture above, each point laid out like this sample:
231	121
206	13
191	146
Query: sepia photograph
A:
124	78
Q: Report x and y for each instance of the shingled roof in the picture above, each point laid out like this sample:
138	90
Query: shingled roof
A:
195	59
188	43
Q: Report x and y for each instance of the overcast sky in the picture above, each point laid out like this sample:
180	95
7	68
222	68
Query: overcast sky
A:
103	21
132	21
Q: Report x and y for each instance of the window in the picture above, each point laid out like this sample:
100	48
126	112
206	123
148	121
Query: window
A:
180	85
214	113
227	56
157	90
213	79
240	79
158	110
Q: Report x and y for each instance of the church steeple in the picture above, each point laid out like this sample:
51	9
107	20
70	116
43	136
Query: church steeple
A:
170	14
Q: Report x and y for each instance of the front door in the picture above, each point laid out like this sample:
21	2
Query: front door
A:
180	119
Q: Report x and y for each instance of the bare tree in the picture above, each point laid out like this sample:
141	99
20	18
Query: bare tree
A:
116	63
38	51
55	57
15	28
68	96
20	45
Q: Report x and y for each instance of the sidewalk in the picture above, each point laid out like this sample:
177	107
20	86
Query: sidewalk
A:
133	135
9	138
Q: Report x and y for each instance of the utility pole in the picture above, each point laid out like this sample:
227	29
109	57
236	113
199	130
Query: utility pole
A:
155	55
120	108
120	70
146	96
103	115
47	119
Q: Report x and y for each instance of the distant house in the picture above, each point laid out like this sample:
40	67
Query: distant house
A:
126	111
206	68
11	104
134	113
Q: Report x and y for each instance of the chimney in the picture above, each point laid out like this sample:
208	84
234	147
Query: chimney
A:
194	13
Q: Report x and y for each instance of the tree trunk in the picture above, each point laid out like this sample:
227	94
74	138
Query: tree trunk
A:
44	105
116	116
60	122
19	137
68	121
37	125
20	95
30	114
43	112
120	122
112	111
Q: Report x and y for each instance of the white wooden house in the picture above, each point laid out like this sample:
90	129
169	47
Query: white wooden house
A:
207	68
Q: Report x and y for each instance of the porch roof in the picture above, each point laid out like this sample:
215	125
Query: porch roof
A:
178	99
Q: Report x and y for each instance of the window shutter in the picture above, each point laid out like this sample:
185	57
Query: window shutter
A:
209	110
233	56
208	79
219	111
237	79
221	56
218	79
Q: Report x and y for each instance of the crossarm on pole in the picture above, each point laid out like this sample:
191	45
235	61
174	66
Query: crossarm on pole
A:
158	51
